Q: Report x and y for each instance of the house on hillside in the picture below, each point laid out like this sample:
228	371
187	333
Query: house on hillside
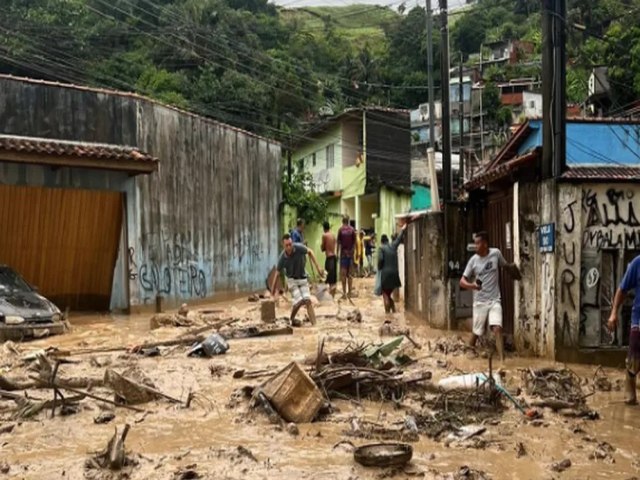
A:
572	236
505	52
361	161
113	201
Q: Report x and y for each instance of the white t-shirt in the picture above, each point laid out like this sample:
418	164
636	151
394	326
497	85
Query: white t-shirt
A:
486	270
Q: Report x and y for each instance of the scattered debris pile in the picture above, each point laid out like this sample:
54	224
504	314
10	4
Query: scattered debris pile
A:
558	389
454	346
453	412
371	371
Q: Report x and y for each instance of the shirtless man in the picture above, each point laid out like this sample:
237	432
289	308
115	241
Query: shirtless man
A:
328	246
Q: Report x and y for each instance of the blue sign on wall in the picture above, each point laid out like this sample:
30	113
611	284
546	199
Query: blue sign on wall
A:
547	237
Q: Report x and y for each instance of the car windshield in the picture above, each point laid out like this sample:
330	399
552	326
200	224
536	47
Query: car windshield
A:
11	281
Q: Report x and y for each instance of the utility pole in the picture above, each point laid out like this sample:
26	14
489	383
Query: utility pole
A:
461	120
432	112
481	111
554	104
446	109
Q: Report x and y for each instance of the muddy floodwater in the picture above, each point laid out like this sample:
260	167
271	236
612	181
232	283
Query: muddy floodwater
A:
170	441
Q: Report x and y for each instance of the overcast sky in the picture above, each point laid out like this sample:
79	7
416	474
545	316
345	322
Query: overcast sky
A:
338	3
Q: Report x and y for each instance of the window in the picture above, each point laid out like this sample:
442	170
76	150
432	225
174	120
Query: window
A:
532	104
313	160
330	156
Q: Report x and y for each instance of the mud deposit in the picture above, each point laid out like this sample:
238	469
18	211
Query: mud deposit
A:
220	437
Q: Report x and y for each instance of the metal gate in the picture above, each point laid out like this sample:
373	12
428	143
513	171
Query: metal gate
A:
498	222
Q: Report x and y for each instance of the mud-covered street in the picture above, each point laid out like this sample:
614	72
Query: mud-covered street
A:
219	436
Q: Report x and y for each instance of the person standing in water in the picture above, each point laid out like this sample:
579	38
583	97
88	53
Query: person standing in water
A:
482	275
630	281
346	250
388	269
328	246
292	262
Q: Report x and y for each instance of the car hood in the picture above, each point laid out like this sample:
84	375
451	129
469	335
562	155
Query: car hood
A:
26	304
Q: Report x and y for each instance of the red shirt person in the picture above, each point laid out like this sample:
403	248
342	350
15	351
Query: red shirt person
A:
346	248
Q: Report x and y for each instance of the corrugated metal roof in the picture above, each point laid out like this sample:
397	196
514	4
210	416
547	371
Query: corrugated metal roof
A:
501	171
66	148
604	173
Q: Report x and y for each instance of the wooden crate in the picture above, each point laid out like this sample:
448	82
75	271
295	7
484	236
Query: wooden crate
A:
294	394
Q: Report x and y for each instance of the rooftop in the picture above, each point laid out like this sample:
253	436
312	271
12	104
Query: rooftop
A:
64	153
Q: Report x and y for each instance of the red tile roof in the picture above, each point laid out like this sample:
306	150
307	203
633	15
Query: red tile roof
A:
612	173
104	155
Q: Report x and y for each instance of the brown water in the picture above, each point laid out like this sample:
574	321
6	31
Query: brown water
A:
208	433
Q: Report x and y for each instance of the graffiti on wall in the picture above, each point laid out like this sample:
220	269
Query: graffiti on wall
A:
611	221
170	266
569	292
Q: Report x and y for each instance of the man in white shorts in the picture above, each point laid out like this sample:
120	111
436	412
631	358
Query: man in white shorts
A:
482	275
293	262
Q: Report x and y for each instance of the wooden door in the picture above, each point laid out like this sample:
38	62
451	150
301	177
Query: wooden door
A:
498	222
64	241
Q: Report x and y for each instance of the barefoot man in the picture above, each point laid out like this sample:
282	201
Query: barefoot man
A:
630	281
346	250
482	276
293	261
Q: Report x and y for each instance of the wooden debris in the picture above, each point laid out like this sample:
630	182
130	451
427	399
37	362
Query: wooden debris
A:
96	397
133	391
268	311
557	388
293	394
113	457
28	408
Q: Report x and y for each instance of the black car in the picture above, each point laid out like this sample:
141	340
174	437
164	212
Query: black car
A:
21	304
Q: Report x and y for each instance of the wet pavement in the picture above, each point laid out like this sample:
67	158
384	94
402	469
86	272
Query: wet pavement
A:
170	440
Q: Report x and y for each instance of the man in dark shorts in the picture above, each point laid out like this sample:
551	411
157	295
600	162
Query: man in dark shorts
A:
346	248
631	281
328	246
293	260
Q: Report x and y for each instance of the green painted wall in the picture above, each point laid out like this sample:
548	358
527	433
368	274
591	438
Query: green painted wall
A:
391	204
354	181
421	198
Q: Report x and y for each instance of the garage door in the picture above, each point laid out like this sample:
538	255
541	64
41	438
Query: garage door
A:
64	241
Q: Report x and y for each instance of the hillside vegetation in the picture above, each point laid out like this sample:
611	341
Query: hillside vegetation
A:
252	64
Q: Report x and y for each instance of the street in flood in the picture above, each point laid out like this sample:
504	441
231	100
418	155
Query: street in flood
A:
163	397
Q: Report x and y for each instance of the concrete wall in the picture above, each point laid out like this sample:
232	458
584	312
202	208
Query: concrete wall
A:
426	287
205	224
208	221
600	234
565	296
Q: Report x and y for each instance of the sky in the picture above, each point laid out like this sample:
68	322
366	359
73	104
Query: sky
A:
408	3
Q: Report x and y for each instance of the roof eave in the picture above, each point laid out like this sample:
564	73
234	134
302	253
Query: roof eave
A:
132	167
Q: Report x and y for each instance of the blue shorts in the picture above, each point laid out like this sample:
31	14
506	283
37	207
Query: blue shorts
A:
346	262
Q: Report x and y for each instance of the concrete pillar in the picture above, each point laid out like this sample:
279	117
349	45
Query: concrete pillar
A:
358	213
